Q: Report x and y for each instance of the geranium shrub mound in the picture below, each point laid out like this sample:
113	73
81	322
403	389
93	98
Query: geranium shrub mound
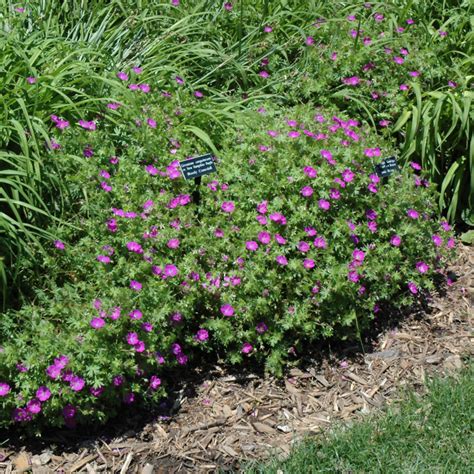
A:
294	239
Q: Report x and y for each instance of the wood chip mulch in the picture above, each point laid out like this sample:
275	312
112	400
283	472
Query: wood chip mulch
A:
233	418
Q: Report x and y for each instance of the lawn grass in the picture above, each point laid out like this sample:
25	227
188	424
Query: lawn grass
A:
428	434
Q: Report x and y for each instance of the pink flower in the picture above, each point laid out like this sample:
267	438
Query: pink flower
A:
132	338
303	247
320	243
155	382
135	314
396	240
281	260
59	245
422	267
103	259
198	94
122	76
251	245
404	87
228	6
173	243
4	389
264	237
97	323
135	285
267	29
170	270
228	206
43	393
310	172
264	74
33	406
202	335
412	287
279	239
358	255
451	243
398	60
151	123
324	205
412	214
414	73
351	81
437	240
227	310
293	134
261	327
307	191
77	383
309	41
309	263
87	125
262	207
247	348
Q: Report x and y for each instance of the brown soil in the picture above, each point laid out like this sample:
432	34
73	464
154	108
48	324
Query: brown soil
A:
223	419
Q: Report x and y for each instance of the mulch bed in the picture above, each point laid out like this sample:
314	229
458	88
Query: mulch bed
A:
225	419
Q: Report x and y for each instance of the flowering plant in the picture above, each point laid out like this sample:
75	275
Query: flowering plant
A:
295	238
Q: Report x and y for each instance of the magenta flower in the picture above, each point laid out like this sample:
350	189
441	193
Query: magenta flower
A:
43	393
227	310
228	6
324	205
372	152
307	191
280	240
151	123
155	382
247	348
396	240
59	245
422	267
320	243
87	125
309	41
398	59
135	314
414	73
348	175
281	260
77	383
261	328
267	29
198	94
31	80
97	323
404	87
278	218
53	371
308	263
103	259
170	271
351	81
412	214
202	335
173	243
412	287
451	243
264	74
353	276
33	406
310	172
134	247
437	240
303	247
135	285
122	76
262	207
97	392
293	134
251	245
128	398
228	206
264	237
4	389
358	255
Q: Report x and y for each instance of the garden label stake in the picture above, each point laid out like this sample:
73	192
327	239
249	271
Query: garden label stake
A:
195	168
